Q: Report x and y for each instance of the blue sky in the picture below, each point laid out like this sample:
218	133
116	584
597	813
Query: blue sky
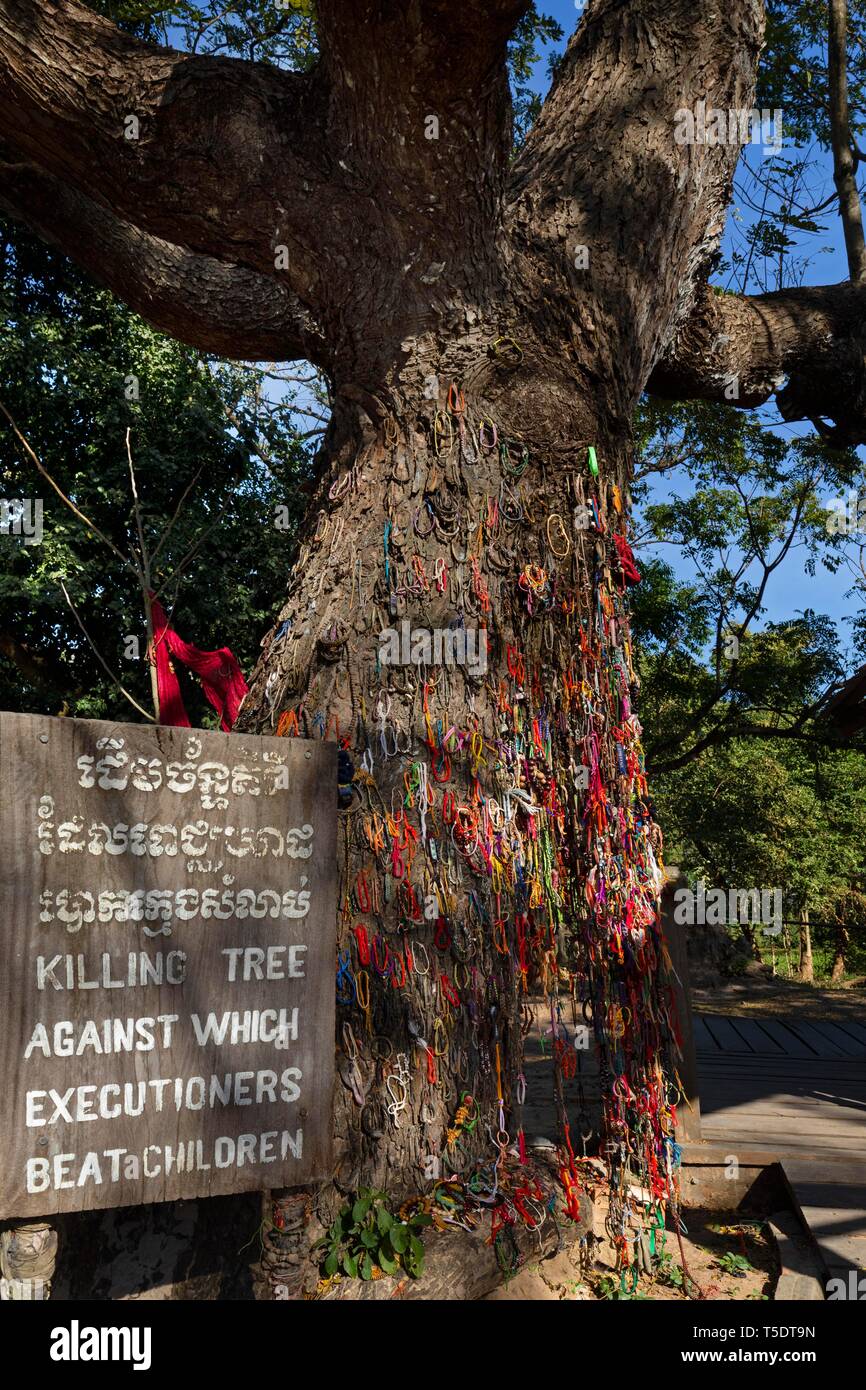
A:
792	589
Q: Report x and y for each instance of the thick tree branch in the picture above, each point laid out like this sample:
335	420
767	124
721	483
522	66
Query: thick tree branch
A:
815	737
449	34
451	48
225	158
224	309
805	345
613	214
844	158
420	108
370	188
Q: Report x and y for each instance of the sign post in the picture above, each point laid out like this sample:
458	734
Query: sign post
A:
167	950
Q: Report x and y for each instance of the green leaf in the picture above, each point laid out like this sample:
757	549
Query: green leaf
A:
384	1220
369	1239
399	1237
366	1268
332	1263
417	1248
350	1265
360	1209
387	1264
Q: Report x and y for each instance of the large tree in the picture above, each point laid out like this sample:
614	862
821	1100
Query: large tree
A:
487	323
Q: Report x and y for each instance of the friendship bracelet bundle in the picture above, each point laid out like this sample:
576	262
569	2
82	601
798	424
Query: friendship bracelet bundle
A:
498	845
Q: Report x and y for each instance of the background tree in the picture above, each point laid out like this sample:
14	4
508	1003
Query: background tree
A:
751	814
214	464
713	668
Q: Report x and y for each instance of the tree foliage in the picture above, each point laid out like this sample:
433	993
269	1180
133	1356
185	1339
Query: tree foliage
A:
78	370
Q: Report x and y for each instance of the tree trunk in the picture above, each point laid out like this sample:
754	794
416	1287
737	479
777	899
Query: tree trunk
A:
807	971
492	794
750	940
844	163
839	963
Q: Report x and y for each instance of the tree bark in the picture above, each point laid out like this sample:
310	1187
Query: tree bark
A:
409	506
844	161
463	1266
843	940
173	288
807	969
804	344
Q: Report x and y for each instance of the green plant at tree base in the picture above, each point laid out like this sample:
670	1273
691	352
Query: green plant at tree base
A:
666	1272
618	1290
738	1265
367	1237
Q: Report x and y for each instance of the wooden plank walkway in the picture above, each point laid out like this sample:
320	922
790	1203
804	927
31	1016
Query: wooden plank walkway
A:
797	1091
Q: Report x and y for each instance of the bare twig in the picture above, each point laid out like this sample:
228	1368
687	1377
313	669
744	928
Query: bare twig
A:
76	511
101	659
146	592
193	550
167	532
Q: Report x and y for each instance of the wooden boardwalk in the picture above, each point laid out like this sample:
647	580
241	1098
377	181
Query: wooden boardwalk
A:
797	1091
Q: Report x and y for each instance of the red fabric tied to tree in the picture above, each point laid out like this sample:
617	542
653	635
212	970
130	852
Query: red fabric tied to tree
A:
626	560
221	677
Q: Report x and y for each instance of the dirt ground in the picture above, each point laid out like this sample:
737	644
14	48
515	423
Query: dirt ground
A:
585	1276
581	1273
769	996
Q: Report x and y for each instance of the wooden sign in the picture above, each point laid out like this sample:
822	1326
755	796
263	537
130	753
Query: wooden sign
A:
167	943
